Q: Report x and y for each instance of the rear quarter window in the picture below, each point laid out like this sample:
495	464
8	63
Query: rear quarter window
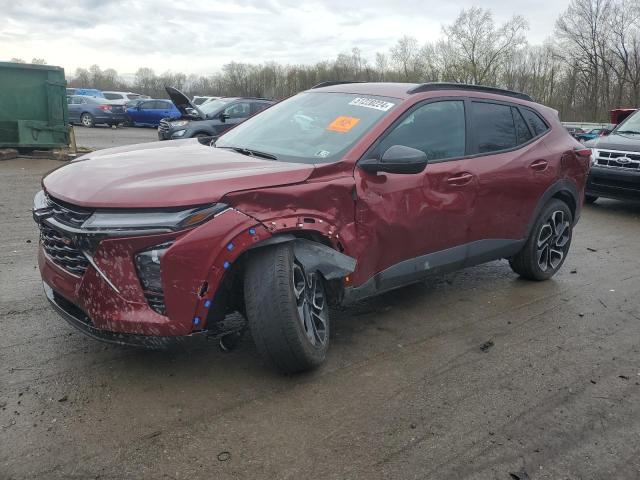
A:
537	124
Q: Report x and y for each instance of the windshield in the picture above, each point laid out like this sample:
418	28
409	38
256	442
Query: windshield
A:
212	107
312	127
631	125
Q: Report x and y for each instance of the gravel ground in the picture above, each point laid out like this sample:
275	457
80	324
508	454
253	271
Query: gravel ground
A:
478	375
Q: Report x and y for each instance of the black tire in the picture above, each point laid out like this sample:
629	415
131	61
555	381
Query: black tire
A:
551	233
590	199
86	119
273	301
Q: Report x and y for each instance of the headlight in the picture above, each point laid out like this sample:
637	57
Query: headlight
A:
165	220
179	133
594	156
148	266
180	123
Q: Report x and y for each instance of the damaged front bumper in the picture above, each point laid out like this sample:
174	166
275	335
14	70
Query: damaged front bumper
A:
79	320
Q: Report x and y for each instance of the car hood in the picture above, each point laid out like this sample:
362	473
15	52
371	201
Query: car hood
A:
165	174
182	102
613	141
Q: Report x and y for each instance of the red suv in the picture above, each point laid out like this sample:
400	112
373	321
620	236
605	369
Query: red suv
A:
336	194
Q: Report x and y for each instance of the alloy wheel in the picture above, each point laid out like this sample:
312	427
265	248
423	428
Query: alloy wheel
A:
310	301
553	241
86	120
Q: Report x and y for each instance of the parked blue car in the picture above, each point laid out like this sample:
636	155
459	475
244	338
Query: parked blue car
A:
593	133
148	113
90	111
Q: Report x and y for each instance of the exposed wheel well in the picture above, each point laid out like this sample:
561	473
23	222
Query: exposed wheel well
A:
231	288
567	197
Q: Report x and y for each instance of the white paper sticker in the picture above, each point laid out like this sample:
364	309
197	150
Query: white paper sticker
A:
371	103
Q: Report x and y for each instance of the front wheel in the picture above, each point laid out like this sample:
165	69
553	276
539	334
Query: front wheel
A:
287	310
548	244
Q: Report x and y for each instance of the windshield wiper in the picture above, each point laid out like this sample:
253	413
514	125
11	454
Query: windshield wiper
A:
252	153
632	132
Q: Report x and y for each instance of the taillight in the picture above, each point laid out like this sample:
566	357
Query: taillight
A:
105	108
583	152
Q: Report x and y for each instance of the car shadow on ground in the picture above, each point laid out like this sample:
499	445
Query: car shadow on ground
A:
616	206
357	331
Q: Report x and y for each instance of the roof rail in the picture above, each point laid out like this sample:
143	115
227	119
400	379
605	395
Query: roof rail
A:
332	83
433	86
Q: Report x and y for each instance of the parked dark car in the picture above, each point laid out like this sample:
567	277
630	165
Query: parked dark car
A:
148	113
575	131
615	164
336	194
210	119
90	111
591	134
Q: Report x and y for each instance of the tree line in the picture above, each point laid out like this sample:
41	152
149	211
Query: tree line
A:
591	65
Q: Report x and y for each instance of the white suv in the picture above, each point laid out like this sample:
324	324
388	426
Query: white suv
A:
123	96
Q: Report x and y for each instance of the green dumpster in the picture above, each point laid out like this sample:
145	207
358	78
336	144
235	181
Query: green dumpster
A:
33	106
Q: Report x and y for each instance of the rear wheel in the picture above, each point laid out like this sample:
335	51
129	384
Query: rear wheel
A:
590	199
287	310
548	244
87	120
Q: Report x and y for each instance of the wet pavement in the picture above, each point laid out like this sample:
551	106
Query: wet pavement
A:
477	375
105	137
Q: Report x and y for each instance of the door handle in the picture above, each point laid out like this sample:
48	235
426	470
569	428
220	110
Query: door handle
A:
539	165
460	179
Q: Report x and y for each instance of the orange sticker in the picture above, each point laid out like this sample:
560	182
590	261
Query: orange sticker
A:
343	124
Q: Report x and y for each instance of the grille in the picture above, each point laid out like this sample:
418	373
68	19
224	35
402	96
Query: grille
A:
62	250
67	214
625	160
164	126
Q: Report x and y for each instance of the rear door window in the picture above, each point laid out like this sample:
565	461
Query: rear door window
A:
522	130
438	129
493	127
258	107
535	122
239	110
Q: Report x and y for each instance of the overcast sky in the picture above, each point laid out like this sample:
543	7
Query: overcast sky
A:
198	36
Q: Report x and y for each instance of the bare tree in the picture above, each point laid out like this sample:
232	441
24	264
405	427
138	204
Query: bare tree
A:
405	56
476	49
583	28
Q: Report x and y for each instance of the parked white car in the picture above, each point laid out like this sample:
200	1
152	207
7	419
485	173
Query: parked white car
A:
200	100
123	96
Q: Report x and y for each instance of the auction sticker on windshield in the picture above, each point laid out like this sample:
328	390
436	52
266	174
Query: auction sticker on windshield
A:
371	103
343	124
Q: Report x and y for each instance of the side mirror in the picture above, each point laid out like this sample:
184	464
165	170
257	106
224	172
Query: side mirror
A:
397	159
223	117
